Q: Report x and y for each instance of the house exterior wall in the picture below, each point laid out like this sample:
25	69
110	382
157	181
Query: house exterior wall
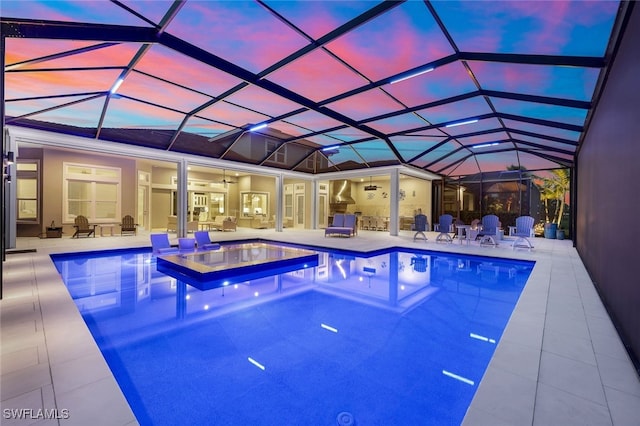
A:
51	181
607	200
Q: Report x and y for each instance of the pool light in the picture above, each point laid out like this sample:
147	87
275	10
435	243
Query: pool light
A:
328	327
460	378
256	363
479	337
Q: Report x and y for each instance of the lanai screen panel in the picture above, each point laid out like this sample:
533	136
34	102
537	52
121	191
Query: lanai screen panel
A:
323	73
413	146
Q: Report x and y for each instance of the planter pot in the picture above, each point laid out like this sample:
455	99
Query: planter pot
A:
550	230
560	234
54	232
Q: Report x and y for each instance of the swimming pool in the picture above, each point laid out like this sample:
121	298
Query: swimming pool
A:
390	337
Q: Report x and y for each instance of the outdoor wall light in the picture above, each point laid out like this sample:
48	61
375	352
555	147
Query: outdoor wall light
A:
7	160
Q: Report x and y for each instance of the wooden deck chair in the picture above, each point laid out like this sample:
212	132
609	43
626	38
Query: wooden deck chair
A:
128	226
83	227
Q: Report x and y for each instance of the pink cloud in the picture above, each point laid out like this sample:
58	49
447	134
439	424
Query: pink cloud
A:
392	43
317	76
124	113
162	62
58	82
155	91
365	105
240	32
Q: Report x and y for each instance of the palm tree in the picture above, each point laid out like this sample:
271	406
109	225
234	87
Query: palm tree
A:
554	189
546	194
561	181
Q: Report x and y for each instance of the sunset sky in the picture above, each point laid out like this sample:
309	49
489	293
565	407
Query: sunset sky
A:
341	83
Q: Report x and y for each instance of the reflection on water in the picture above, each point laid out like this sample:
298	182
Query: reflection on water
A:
416	329
129	283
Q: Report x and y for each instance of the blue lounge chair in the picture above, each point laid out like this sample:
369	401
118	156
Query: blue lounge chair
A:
160	244
186	244
204	241
445	226
524	226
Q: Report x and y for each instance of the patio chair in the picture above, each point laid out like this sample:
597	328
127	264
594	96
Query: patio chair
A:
160	244
420	225
456	232
230	224
342	225
445	226
128	226
204	241
83	227
524	226
186	244
350	222
490	225
264	223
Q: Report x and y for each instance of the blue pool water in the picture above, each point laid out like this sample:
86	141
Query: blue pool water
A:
399	337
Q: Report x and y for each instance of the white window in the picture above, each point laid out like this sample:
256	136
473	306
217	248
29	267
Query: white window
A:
28	191
279	154
91	191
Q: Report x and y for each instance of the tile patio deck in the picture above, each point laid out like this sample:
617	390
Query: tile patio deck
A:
560	360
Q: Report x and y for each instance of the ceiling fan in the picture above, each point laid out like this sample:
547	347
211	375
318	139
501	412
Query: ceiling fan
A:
371	187
224	180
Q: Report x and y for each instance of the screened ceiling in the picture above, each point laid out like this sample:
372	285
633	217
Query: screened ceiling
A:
450	87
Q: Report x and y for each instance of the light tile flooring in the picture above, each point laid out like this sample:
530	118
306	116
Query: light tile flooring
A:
559	362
